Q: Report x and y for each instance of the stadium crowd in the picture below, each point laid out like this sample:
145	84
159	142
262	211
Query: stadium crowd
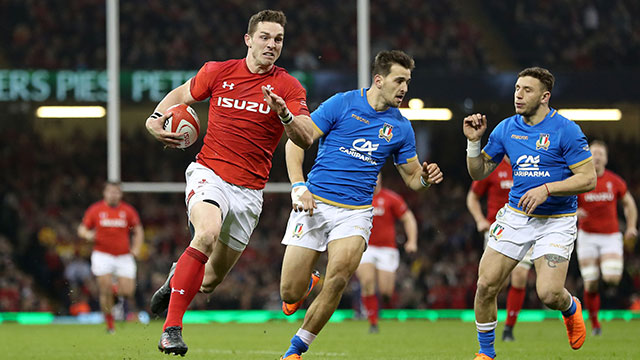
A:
434	32
571	35
45	262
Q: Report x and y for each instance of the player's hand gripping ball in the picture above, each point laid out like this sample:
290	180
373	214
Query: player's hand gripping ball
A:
184	120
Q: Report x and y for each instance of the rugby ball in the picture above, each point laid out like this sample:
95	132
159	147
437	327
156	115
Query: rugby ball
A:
184	120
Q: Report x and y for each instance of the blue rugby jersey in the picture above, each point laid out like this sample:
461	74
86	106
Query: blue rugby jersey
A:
356	141
542	153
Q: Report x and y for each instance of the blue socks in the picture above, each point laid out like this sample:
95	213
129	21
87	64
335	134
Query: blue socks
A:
571	310
297	346
486	340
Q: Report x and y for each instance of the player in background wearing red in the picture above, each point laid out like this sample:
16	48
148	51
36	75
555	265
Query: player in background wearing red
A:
109	224
496	188
600	243
251	103
382	258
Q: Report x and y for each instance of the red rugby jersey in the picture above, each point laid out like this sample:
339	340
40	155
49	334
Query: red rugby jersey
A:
243	131
387	208
112	225
601	204
496	186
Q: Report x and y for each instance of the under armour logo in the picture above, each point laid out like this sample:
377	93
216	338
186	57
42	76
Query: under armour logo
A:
181	291
227	85
269	87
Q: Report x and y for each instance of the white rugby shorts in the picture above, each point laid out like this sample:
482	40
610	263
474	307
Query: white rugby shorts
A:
383	257
593	245
328	223
119	265
524	263
240	206
513	233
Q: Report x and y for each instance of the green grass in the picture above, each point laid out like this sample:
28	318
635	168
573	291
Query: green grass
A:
449	339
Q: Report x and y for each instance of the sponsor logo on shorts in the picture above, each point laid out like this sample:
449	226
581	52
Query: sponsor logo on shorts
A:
386	132
297	231
543	142
497	231
501	212
360	228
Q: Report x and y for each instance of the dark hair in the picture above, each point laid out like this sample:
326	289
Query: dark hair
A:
600	143
384	60
544	75
275	16
114	183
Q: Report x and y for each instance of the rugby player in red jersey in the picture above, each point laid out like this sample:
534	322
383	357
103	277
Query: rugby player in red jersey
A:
600	243
108	224
251	102
382	258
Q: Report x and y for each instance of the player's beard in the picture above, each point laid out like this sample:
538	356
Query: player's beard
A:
531	111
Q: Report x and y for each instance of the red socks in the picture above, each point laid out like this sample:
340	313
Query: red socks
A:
515	299
371	304
592	303
185	284
108	318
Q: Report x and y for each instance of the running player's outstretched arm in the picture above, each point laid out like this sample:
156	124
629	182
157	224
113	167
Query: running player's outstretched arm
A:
583	179
137	240
411	229
475	208
420	177
299	128
301	198
631	216
473	127
155	122
85	233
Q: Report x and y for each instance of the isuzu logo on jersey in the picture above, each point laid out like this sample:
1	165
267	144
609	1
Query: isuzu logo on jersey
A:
543	142
358	149
251	106
528	165
386	132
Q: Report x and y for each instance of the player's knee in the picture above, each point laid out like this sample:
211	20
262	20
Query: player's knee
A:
591	286
552	298
204	239
612	270
290	293
590	273
486	289
613	280
336	283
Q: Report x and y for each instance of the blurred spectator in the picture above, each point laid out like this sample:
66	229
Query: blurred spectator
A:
321	34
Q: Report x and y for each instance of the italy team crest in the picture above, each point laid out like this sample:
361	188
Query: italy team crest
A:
297	231
497	231
386	132
543	142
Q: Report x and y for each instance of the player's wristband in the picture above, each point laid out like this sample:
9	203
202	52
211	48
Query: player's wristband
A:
296	184
473	148
546	187
423	182
287	118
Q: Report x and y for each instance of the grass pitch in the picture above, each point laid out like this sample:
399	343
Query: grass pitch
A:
344	340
